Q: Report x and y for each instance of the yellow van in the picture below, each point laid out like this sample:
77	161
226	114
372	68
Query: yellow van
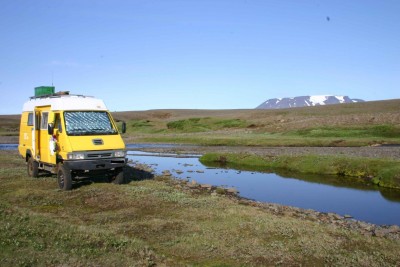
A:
73	136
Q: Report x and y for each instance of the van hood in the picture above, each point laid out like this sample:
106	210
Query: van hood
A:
96	142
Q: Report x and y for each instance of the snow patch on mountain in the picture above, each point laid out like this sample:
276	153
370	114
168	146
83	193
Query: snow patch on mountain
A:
306	101
341	99
318	99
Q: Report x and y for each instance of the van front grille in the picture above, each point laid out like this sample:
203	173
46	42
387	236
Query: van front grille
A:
99	155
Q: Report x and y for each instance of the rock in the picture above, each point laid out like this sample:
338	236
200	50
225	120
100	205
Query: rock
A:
366	226
381	232
335	216
394	228
313	216
166	173
232	191
275	209
192	184
206	186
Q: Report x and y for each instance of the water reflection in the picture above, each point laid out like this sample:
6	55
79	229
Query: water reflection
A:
8	146
332	180
323	193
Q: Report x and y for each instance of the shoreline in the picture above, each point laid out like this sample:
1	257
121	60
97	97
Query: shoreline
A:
329	218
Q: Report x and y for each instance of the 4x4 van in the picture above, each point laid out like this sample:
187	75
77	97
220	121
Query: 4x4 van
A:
72	136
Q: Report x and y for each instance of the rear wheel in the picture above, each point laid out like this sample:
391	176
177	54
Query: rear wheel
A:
64	178
33	168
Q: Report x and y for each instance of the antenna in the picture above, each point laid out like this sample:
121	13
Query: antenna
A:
52	74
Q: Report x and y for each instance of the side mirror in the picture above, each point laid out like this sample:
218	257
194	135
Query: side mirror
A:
50	128
123	127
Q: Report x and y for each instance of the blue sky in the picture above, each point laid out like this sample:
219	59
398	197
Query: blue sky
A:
202	54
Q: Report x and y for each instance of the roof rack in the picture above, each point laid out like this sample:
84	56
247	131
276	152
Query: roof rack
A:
56	95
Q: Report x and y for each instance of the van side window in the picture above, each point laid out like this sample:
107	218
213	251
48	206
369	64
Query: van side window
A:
30	119
57	123
37	121
45	117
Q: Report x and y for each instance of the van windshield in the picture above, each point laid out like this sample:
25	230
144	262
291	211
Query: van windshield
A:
88	123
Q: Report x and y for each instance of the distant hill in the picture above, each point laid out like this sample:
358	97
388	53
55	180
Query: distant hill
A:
306	101
150	122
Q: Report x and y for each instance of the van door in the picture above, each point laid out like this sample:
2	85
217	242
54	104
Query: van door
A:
43	139
35	135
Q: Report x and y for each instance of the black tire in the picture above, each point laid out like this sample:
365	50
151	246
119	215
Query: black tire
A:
33	168
119	177
64	178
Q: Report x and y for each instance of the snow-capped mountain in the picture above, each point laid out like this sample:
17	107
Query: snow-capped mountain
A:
306	101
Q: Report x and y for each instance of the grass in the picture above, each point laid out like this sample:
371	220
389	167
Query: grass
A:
152	222
6	131
144	126
251	138
9	125
382	172
205	124
368	131
237	132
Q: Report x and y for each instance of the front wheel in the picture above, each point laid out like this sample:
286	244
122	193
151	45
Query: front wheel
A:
64	178
119	177
33	168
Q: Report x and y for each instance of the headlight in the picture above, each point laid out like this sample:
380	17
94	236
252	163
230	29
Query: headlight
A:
76	156
119	154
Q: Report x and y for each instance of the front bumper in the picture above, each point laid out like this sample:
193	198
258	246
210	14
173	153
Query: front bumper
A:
95	164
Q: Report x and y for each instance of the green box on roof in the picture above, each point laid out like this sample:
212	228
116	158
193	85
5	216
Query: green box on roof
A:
44	90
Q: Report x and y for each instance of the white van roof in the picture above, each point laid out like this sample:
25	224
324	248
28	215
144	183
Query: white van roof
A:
65	102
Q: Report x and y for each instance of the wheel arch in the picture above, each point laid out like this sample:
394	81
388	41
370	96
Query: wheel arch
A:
59	159
28	154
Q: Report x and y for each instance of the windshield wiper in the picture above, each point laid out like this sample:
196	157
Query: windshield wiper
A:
93	132
77	134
